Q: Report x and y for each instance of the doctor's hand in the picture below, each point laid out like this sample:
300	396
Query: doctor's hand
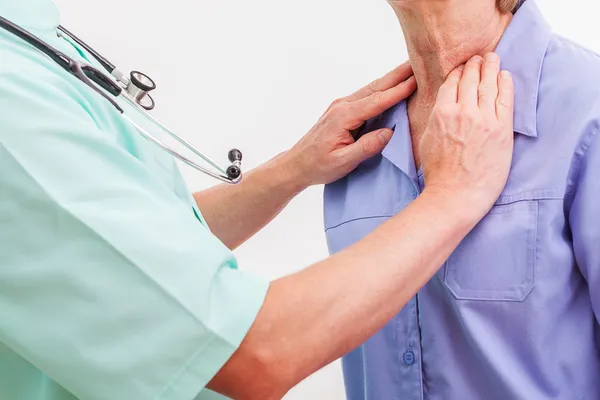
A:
326	153
466	150
329	152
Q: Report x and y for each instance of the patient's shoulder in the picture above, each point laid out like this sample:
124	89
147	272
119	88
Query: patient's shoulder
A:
562	46
571	67
568	101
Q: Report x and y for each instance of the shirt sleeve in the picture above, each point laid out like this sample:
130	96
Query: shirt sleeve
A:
584	218
108	283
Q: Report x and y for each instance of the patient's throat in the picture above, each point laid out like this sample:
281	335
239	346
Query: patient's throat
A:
418	117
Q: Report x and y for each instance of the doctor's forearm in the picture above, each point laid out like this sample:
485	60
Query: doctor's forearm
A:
315	316
235	213
351	296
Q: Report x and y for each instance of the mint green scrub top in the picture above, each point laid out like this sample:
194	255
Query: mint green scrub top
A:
111	285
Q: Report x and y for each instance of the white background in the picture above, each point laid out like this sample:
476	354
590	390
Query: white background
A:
256	75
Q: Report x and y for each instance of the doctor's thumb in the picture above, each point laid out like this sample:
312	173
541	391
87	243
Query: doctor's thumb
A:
369	145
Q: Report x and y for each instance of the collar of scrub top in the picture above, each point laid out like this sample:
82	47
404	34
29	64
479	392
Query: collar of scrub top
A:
521	52
33	15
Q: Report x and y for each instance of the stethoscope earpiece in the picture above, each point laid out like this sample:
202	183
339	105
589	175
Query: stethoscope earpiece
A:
234	171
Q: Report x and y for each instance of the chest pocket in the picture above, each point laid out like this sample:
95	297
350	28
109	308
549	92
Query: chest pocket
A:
496	261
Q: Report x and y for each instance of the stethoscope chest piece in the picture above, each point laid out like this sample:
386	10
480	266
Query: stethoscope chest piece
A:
138	87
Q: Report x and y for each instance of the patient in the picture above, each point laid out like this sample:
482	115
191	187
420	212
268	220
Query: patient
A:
513	314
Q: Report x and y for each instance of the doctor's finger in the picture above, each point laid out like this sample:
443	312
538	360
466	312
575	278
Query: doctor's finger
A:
388	81
448	92
488	88
376	103
366	147
506	99
468	86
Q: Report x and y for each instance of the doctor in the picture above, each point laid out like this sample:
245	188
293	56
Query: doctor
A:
112	286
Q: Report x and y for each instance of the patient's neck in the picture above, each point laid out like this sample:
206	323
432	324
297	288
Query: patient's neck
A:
442	34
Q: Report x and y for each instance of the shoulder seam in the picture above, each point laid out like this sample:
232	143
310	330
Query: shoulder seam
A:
587	144
576	45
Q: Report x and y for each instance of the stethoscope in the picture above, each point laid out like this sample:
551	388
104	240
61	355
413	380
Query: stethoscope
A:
135	89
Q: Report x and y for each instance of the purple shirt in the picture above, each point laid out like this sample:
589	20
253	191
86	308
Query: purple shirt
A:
513	312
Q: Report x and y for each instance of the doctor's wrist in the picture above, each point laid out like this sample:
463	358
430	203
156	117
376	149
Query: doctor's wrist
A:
462	207
288	173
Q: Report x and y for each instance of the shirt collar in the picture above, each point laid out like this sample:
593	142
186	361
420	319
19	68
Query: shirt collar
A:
37	15
522	50
399	149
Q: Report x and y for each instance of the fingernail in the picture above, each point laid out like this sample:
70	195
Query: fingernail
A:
477	59
461	67
491	57
504	74
385	135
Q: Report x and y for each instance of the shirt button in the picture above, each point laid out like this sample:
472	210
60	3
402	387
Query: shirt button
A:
415	193
409	358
